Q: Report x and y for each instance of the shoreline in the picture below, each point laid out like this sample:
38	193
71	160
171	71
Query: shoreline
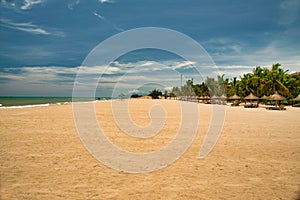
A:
227	105
50	104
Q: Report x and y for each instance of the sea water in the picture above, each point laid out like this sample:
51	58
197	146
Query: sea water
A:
14	102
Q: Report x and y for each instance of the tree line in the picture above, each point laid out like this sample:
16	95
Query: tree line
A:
262	81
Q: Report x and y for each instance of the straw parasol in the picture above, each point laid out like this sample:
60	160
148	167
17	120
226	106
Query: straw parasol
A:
222	97
265	97
214	97
251	97
297	98
121	96
235	97
277	97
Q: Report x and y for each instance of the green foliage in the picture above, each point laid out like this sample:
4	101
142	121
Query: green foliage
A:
176	91
155	94
187	89
262	81
201	89
135	95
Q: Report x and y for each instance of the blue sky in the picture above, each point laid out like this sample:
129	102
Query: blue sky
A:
44	42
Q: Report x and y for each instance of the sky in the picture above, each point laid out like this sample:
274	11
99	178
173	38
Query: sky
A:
44	43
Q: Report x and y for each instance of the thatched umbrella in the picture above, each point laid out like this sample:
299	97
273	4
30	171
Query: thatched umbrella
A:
222	97
206	99
277	97
251	97
265	97
214	99
235	97
297	98
121	96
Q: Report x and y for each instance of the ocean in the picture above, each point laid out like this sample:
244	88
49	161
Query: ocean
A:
41	101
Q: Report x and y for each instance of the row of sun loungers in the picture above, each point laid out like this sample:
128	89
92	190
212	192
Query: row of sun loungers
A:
208	100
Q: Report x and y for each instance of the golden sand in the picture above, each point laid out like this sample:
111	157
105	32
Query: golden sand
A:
257	156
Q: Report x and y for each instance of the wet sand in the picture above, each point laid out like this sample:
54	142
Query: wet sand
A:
256	157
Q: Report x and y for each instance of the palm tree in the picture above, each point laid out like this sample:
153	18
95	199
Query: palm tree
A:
155	94
262	81
201	89
293	84
277	80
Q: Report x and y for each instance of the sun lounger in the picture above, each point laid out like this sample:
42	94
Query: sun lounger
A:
276	108
250	106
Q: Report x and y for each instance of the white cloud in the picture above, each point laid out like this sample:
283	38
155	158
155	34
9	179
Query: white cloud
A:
185	64
147	64
233	67
106	1
28	27
100	16
289	11
73	4
123	76
223	45
280	50
134	91
29	3
108	22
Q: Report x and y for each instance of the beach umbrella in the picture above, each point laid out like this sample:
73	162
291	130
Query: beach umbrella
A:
214	99
265	97
297	98
251	97
121	95
223	97
235	97
277	97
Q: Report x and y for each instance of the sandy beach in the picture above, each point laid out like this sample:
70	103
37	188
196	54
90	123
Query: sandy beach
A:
256	157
